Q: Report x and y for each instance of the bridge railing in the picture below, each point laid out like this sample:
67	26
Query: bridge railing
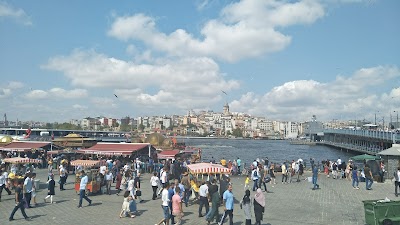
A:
385	135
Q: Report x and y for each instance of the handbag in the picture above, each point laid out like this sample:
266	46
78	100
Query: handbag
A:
138	193
267	179
25	203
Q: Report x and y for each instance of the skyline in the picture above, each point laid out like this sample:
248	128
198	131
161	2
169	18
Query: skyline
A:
283	60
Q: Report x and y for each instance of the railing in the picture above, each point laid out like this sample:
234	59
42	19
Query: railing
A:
385	135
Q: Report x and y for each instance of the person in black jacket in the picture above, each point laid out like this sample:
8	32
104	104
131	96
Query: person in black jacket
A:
50	189
259	206
19	202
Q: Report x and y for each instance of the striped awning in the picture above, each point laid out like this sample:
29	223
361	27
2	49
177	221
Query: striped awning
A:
21	160
207	168
85	163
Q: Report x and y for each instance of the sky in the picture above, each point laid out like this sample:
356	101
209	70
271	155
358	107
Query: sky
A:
280	59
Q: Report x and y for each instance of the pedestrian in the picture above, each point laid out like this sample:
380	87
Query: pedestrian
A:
203	200
82	189
125	205
247	183
228	205
28	188
254	177
136	185
50	189
118	180
239	163
354	175
368	177
109	179
259	206
63	177
171	192
19	202
177	210
186	184
34	189
4	183
315	177
215	200
165	206
396	175
284	174
154	182
263	176
272	174
245	204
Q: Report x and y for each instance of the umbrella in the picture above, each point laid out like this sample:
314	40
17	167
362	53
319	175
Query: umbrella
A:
364	157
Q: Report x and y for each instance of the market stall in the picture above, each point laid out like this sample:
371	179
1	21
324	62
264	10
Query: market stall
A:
207	168
16	173
91	167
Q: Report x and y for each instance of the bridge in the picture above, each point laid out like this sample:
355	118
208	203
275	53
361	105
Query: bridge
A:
38	134
363	141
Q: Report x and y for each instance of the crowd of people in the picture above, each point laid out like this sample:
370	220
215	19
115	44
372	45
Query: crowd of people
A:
177	189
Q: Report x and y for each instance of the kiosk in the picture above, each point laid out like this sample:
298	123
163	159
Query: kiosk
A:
91	167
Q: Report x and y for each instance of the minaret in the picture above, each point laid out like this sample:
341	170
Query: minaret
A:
5	120
226	109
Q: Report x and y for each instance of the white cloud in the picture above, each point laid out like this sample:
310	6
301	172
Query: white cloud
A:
245	29
7	11
344	97
197	79
57	93
79	107
8	90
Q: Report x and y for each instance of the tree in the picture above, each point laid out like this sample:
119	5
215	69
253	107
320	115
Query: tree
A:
141	127
237	132
228	133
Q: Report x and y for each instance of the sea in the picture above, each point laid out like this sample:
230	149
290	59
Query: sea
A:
277	151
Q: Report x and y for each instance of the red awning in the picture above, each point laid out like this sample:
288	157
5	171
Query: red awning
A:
21	146
167	154
114	148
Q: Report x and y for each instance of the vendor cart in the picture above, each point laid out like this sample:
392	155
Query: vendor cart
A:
14	177
91	168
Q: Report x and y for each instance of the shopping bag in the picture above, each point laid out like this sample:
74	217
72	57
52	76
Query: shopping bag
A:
138	193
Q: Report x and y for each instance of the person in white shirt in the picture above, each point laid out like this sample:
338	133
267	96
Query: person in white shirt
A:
165	205
109	179
63	177
154	182
3	183
82	189
203	193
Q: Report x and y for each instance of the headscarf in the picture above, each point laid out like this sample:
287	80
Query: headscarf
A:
246	197
259	197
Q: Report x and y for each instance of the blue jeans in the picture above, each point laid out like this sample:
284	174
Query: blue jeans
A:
368	182
132	206
255	185
82	195
355	182
314	181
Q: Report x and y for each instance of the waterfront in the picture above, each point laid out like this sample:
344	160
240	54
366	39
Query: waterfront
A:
276	150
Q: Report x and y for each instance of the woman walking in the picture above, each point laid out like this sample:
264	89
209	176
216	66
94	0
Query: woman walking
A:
245	204
272	173
259	206
154	181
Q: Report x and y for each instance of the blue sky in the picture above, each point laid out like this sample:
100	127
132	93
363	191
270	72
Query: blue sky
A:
285	60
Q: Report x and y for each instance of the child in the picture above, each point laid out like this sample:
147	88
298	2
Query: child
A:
247	183
50	189
125	205
245	204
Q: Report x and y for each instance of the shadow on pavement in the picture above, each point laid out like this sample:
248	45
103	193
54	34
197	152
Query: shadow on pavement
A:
37	216
140	212
97	203
61	201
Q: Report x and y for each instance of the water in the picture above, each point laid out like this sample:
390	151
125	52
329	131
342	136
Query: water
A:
276	150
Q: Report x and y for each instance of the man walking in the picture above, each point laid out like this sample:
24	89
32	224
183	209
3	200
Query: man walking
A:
63	177
284	174
3	183
228	206
368	177
239	163
203	193
82	189
254	177
397	181
28	188
19	202
315	177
